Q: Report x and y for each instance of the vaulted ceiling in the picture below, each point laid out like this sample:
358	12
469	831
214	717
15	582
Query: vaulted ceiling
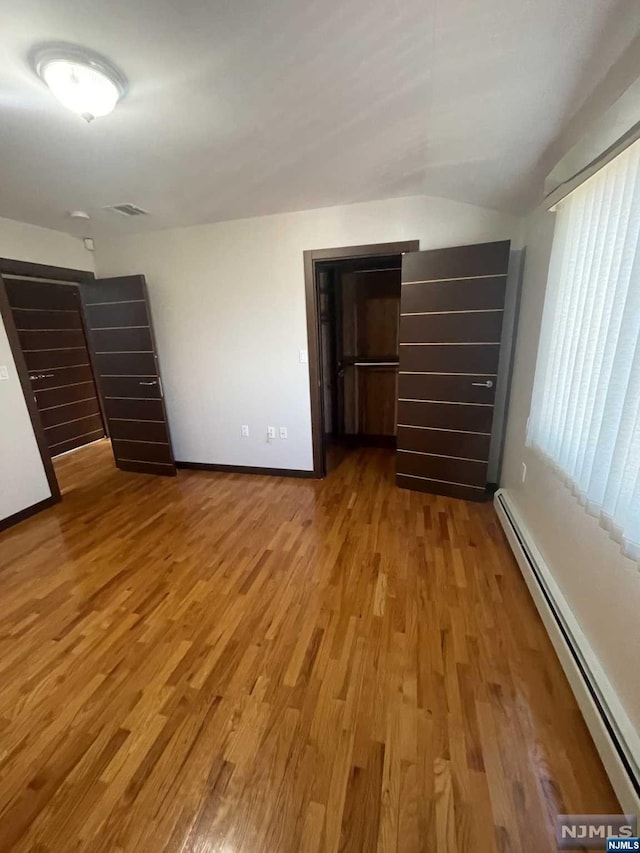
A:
242	108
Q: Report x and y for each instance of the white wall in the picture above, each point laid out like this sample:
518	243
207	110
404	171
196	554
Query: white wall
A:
22	477
22	242
601	586
228	306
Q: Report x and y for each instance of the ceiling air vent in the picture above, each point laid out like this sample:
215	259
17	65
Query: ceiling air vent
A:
128	210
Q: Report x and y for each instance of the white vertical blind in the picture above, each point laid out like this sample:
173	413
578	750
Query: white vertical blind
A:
585	410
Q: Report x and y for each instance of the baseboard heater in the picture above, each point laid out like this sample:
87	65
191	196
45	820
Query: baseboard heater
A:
615	738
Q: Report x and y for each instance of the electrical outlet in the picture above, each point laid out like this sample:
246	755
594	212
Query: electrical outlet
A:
244	431
271	433
283	432
4	373
524	472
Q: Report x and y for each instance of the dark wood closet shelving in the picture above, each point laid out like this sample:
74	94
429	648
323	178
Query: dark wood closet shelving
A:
360	315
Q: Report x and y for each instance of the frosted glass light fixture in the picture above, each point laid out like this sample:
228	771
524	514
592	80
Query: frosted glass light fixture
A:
84	82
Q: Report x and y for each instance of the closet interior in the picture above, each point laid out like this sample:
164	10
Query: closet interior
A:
359	312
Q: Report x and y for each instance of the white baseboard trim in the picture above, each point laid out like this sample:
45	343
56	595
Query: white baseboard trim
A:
616	740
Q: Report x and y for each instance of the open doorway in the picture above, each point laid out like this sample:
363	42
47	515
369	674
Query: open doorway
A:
86	358
353	315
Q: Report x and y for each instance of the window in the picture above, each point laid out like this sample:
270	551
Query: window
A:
585	411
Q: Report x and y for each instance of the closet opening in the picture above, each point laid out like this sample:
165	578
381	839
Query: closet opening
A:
353	313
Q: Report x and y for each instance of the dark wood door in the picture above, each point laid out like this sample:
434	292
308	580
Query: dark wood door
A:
451	310
121	333
49	323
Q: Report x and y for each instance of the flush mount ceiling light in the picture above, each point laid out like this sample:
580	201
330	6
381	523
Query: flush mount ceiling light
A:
85	82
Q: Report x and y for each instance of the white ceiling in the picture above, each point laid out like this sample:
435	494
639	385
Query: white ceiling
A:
244	107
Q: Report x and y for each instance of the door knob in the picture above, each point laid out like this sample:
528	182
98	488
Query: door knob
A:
487	384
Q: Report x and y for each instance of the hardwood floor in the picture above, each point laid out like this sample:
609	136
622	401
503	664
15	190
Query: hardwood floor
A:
235	663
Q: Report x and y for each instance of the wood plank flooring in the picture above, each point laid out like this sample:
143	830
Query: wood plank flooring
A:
250	664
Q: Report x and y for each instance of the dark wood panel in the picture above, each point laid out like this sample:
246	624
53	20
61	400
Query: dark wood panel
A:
375	312
65	394
478	327
43	360
23	293
442	468
69	412
36	319
112	290
465	493
118	314
463	444
443	358
456	295
131	386
123	340
139	451
77	441
377	397
138	430
59	376
457	262
126	364
48	339
145	410
446	415
65	432
431	386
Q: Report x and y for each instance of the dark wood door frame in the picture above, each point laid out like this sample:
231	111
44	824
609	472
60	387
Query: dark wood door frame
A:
313	257
38	271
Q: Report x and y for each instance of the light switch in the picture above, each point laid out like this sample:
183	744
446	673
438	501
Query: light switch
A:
4	372
304	358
